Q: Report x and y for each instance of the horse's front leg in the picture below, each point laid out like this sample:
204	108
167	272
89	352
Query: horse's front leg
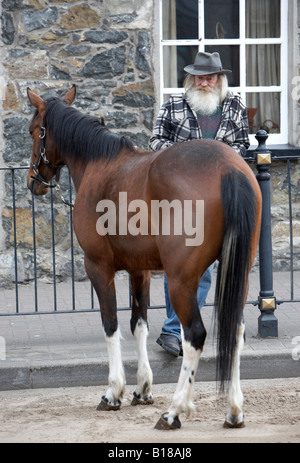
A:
140	283
112	399
103	282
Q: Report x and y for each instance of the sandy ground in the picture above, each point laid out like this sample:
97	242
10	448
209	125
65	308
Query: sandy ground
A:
272	414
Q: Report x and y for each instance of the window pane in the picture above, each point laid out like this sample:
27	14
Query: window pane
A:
221	19
262	18
263	111
263	65
230	57
167	96
175	59
180	19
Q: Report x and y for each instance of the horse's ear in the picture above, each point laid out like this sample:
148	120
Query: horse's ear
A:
35	100
70	96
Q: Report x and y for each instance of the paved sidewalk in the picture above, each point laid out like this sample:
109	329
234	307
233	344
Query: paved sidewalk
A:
69	349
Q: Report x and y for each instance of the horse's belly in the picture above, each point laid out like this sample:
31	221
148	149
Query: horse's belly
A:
137	253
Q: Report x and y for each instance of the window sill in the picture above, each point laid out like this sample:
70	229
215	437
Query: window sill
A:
278	152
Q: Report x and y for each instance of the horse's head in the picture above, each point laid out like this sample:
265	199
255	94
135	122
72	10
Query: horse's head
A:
45	159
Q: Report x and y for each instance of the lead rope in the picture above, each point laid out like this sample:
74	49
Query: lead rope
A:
56	186
58	191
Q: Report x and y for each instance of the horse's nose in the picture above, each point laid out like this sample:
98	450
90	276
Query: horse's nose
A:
31	184
35	186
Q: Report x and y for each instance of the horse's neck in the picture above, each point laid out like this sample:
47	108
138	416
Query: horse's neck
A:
76	169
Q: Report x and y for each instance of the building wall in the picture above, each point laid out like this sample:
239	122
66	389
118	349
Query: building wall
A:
109	49
294	72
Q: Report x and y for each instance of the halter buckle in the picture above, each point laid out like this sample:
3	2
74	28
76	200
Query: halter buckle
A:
43	156
42	133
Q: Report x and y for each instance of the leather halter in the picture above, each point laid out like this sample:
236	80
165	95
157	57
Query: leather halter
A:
43	158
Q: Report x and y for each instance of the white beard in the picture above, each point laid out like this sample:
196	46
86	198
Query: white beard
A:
205	101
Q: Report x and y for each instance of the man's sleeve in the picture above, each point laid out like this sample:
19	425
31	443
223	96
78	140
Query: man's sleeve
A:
240	129
162	135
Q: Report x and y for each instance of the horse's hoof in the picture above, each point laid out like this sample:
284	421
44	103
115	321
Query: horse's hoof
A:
165	425
104	405
234	422
138	400
234	425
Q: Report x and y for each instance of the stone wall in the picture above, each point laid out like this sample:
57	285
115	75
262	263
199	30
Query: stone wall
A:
280	213
105	48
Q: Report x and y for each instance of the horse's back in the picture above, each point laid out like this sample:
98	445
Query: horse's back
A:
199	154
190	166
196	164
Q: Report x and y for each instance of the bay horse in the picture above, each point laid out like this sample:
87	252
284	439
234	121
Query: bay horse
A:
103	165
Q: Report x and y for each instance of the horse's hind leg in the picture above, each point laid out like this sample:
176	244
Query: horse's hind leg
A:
182	401
193	339
140	292
105	289
235	417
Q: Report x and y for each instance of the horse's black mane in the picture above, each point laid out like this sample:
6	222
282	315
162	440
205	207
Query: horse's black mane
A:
80	135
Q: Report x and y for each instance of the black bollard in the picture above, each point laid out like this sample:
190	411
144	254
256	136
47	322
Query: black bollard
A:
267	322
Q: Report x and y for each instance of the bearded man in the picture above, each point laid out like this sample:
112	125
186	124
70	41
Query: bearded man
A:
207	110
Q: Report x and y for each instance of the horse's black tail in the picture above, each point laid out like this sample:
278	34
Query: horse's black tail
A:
239	205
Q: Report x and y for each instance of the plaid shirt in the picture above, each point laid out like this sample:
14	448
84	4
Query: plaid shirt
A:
177	122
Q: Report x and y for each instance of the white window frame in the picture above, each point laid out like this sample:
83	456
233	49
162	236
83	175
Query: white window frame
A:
242	41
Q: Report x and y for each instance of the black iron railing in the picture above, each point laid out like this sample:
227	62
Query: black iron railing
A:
266	300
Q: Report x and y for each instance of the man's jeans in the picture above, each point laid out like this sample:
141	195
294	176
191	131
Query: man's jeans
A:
172	325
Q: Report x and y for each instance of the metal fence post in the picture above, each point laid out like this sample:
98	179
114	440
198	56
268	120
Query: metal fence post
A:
267	322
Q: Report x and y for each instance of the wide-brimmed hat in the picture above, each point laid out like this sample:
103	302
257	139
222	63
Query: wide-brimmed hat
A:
206	64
